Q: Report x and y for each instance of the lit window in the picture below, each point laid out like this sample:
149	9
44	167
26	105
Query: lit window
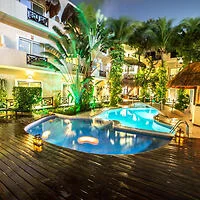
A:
37	8
29	84
33	6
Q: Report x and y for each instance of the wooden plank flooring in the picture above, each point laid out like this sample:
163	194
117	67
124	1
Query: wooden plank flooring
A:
170	172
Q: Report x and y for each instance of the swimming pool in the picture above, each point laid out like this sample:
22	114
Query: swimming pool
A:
139	117
93	136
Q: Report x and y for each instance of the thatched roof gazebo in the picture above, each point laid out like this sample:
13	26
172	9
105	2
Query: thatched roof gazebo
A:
188	78
133	61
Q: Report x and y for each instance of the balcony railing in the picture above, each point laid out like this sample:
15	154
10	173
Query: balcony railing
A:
32	15
30	59
102	73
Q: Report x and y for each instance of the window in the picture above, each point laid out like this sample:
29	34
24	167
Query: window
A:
37	8
33	6
37	48
24	45
66	89
30	47
32	83
24	83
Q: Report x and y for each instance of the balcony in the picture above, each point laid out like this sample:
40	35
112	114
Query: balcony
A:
32	15
30	59
15	14
19	59
12	57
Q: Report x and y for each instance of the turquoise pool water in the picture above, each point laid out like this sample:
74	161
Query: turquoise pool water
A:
137	117
93	136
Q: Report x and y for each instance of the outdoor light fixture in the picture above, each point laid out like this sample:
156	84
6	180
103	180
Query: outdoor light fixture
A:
180	133
37	142
29	74
179	140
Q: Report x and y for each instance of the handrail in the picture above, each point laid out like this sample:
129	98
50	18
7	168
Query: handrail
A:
34	16
177	124
30	59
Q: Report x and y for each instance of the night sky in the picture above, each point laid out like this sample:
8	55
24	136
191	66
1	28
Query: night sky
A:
146	9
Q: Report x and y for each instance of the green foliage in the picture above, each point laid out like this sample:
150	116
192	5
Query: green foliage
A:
186	39
146	78
161	84
162	32
121	28
115	78
26	97
72	110
3	93
183	100
83	41
42	112
57	100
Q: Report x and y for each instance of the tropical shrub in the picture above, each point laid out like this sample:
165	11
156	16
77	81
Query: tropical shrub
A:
115	78
83	41
183	100
161	84
26	97
67	110
3	93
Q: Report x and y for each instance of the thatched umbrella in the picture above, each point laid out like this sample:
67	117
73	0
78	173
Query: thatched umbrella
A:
69	13
188	78
52	6
133	61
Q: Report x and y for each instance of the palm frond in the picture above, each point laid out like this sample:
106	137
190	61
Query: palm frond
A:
55	59
54	51
59	45
46	64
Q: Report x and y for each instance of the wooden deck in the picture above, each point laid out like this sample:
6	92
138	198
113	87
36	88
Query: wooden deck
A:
171	172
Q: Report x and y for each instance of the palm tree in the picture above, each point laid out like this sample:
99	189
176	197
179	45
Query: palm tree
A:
83	43
121	28
186	39
161	31
143	42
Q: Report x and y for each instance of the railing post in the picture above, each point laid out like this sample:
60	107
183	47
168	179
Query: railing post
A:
173	104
